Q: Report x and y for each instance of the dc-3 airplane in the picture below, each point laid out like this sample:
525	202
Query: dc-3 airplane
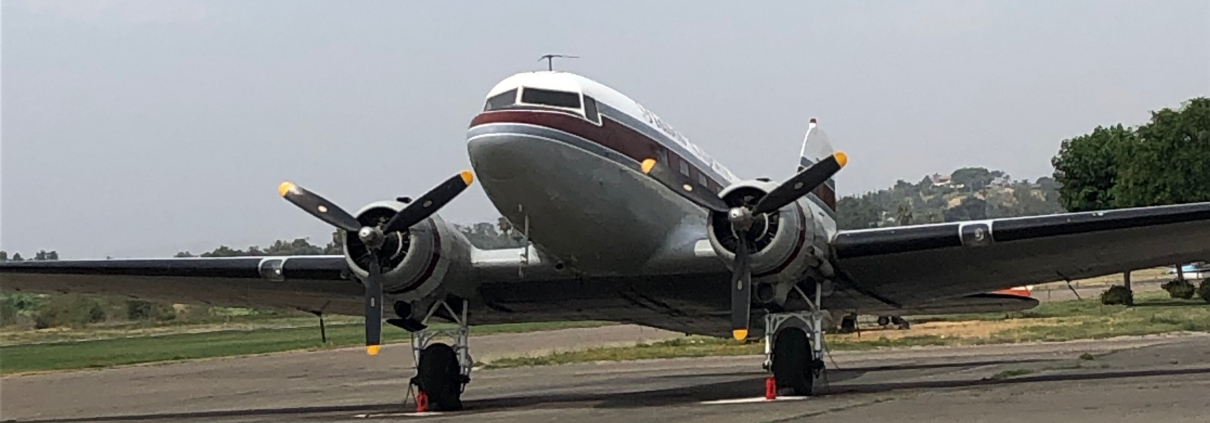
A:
628	221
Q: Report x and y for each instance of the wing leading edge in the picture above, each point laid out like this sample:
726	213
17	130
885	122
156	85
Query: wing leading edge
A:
309	283
917	264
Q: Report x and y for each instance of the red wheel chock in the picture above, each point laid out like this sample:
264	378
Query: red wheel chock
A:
422	401
770	388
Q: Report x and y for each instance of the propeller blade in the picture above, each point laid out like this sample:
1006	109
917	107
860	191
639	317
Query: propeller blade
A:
429	203
741	284
682	185
801	184
374	306
317	206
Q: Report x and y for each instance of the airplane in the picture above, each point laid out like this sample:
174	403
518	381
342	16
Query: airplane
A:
625	220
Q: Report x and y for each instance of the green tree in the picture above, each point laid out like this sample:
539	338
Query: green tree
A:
858	212
3	255
1169	162
973	178
17	257
970	209
1086	167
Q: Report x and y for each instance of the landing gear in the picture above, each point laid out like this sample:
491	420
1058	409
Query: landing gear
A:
442	371
901	322
794	347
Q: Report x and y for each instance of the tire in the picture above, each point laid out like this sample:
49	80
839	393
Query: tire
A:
792	361
440	377
884	320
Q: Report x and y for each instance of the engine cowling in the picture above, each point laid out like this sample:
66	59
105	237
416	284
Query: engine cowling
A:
428	259
786	241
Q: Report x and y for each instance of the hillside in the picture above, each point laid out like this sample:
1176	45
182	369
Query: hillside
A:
966	194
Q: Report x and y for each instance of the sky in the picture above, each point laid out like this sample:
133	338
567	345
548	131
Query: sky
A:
144	128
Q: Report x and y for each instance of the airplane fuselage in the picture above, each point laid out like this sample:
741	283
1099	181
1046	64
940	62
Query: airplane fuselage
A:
560	154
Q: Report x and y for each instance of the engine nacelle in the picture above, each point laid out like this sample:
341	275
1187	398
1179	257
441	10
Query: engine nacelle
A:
786	242
429	258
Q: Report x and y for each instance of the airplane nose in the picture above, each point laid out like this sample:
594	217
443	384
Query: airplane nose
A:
500	158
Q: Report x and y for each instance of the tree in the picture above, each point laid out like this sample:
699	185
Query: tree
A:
974	178
970	209
903	214
1169	161
858	213
336	247
183	254
1086	168
3	255
17	257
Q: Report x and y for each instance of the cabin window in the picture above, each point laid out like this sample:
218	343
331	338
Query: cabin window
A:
551	98
701	179
502	100
590	109
684	168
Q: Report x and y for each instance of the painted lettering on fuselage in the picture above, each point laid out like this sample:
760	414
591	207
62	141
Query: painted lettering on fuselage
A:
693	149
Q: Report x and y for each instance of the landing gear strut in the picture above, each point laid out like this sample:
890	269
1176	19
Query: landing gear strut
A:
442	371
794	346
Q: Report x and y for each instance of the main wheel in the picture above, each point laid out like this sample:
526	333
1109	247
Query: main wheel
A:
901	322
792	363
884	320
439	376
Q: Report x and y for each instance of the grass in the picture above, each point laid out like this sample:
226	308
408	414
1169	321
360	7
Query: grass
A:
218	343
1154	313
1056	321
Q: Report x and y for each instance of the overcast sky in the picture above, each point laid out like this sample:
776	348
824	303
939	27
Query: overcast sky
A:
143	128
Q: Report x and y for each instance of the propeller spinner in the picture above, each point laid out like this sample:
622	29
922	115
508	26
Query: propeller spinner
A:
742	218
374	236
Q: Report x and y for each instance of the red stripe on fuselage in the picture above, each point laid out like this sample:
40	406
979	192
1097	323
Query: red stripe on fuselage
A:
610	134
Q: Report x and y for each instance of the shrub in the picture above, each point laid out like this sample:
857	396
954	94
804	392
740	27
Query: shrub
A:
69	310
1179	288
139	310
1204	290
1116	295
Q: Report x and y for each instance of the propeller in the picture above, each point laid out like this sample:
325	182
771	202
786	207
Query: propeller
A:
375	236
743	216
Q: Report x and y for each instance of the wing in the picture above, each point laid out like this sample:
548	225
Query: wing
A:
916	264
308	283
515	285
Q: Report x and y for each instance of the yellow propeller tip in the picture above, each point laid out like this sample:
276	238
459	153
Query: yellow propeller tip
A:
740	334
841	158
284	188
373	349
467	177
647	165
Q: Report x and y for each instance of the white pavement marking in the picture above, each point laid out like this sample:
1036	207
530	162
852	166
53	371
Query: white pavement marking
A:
751	400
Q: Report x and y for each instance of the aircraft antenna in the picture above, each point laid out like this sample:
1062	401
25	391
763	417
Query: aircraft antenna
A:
550	58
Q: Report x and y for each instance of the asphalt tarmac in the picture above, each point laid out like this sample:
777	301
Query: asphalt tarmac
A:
1156	378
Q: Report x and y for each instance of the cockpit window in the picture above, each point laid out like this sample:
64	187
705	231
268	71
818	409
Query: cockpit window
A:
502	100
551	98
590	109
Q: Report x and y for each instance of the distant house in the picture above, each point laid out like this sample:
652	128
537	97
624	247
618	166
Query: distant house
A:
940	180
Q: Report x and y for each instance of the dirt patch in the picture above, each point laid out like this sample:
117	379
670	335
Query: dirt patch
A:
963	329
